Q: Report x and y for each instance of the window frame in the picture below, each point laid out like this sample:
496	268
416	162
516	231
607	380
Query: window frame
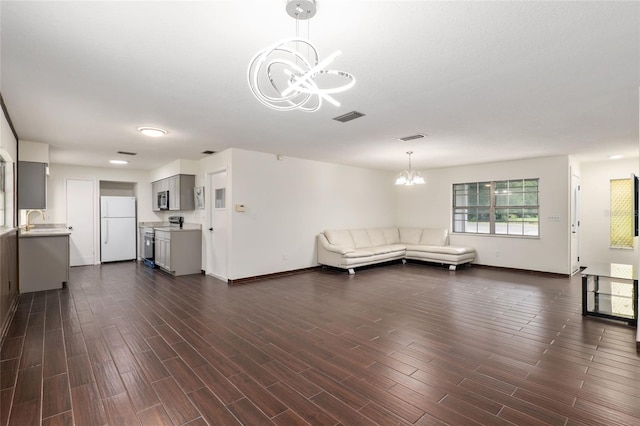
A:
623	217
494	208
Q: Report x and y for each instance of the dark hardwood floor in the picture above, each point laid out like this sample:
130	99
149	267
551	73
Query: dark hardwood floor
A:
398	344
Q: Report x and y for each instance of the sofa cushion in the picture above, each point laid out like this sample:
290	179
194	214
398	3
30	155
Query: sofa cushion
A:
360	238
440	249
340	238
388	248
410	235
391	235
359	253
434	237
377	237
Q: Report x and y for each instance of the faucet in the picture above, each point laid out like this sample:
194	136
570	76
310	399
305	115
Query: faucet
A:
30	225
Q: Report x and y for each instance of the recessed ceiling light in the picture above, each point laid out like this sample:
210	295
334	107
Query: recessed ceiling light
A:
118	161
153	132
615	157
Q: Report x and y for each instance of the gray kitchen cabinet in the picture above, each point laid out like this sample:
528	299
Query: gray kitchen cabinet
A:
179	252
181	192
44	262
162	243
32	185
154	196
180	189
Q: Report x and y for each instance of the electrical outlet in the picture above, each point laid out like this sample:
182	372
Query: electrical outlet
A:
284	256
497	253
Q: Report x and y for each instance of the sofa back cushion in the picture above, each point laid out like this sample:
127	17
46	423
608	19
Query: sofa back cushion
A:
434	237
360	238
410	235
341	237
391	235
377	237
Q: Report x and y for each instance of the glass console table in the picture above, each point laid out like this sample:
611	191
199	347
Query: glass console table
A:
610	290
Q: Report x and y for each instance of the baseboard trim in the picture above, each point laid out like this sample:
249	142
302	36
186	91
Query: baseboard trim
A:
247	280
7	320
523	271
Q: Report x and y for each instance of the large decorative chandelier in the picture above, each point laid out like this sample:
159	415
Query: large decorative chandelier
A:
410	177
289	74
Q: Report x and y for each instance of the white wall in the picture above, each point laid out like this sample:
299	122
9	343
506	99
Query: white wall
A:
176	167
59	173
34	151
289	201
595	223
56	192
430	205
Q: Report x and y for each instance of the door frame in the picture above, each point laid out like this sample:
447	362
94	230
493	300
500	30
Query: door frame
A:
209	221
574	224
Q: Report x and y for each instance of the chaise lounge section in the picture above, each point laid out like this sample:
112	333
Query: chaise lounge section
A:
352	248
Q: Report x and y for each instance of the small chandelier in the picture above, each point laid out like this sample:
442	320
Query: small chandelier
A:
287	75
410	177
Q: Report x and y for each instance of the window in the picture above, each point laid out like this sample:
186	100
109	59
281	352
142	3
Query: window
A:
507	207
622	214
220	198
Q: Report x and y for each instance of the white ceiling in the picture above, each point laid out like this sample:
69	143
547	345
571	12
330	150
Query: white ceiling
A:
485	81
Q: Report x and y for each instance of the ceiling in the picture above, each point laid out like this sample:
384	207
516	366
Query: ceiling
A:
485	81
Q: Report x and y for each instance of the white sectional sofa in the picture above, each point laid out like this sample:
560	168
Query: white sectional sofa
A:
351	248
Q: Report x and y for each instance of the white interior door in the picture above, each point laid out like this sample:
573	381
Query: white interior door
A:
575	223
216	234
80	220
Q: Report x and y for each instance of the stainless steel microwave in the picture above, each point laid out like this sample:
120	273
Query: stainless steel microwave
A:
163	200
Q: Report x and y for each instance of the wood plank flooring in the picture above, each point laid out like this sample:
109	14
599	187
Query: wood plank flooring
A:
392	345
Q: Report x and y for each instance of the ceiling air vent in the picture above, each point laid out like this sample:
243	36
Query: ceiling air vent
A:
412	137
207	152
349	116
127	153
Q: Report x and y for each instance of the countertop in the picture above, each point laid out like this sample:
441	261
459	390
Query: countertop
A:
166	226
185	227
44	232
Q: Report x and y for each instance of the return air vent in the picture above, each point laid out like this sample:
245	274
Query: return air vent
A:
127	153
207	152
412	137
349	116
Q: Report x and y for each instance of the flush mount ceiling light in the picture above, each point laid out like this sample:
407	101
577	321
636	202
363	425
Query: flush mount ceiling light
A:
118	161
410	177
153	132
615	157
288	75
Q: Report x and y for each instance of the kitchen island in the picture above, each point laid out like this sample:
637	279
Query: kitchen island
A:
176	249
43	259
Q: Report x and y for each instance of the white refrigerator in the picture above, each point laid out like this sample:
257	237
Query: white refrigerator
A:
117	228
